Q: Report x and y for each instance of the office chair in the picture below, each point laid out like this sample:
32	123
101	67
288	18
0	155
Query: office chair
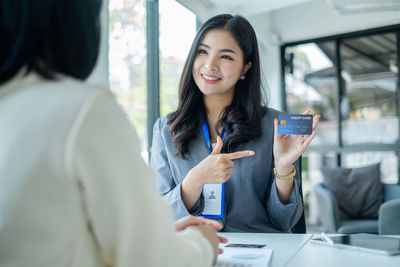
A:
387	222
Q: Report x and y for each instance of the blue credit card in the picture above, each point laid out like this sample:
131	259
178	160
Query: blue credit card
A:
295	124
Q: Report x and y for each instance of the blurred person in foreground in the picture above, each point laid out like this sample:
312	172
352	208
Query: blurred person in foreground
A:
73	188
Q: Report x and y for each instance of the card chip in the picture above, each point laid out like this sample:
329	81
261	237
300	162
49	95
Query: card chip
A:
283	122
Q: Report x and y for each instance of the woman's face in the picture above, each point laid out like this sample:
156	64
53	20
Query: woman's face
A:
218	64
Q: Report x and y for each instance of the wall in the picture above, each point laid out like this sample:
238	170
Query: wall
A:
269	46
316	19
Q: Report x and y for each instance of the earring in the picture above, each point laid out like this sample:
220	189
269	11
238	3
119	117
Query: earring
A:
243	77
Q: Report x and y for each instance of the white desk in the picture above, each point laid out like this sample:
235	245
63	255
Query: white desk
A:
295	250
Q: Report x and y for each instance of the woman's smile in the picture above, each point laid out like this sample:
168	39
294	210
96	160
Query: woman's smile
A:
210	78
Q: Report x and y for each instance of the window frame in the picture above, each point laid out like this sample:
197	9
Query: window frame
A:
341	148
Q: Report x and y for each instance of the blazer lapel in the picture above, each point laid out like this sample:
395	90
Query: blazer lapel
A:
198	149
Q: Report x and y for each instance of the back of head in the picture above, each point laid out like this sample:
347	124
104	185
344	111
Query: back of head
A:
49	37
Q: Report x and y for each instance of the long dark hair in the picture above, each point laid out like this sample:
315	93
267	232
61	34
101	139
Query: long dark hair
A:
243	116
49	37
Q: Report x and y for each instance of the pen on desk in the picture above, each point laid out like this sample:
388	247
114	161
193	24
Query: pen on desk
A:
327	238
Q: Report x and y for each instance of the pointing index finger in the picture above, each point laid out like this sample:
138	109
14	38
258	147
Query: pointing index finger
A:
240	154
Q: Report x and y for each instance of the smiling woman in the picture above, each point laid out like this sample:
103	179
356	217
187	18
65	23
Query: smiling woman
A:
219	62
210	54
220	110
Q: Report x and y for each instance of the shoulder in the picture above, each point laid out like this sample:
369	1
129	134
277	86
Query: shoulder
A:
267	121
67	84
65	95
269	115
70	93
161	122
161	127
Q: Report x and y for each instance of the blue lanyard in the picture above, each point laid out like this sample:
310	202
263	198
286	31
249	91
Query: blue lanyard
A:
222	212
207	134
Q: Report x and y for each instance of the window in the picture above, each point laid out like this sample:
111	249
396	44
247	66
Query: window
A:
352	80
177	31
310	84
127	57
369	106
127	61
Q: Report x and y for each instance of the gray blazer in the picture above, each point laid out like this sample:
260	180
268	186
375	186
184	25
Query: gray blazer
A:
251	200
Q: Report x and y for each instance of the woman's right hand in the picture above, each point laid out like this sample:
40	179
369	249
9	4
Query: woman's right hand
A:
217	168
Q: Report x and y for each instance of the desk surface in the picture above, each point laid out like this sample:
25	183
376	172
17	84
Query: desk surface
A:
295	250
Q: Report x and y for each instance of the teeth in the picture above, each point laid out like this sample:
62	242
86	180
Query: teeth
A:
209	78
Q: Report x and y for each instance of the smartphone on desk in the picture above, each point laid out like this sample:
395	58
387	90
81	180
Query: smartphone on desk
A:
378	244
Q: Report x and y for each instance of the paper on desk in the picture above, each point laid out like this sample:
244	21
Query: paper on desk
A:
244	257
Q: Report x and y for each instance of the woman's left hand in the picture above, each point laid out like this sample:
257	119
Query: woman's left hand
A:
288	148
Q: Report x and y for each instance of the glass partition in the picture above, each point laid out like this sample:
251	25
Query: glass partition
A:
369	72
310	84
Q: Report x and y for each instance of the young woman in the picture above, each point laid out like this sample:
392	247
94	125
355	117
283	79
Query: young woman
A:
220	98
73	188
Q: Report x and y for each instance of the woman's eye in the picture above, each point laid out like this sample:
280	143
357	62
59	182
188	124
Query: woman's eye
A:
202	51
227	57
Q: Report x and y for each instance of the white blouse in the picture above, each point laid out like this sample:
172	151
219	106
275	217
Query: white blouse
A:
73	188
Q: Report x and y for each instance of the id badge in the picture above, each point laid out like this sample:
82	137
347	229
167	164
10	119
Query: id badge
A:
214	195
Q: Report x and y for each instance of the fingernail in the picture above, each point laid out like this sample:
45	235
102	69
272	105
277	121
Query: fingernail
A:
251	153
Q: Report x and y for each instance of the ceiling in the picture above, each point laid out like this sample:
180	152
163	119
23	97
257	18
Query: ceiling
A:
253	7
